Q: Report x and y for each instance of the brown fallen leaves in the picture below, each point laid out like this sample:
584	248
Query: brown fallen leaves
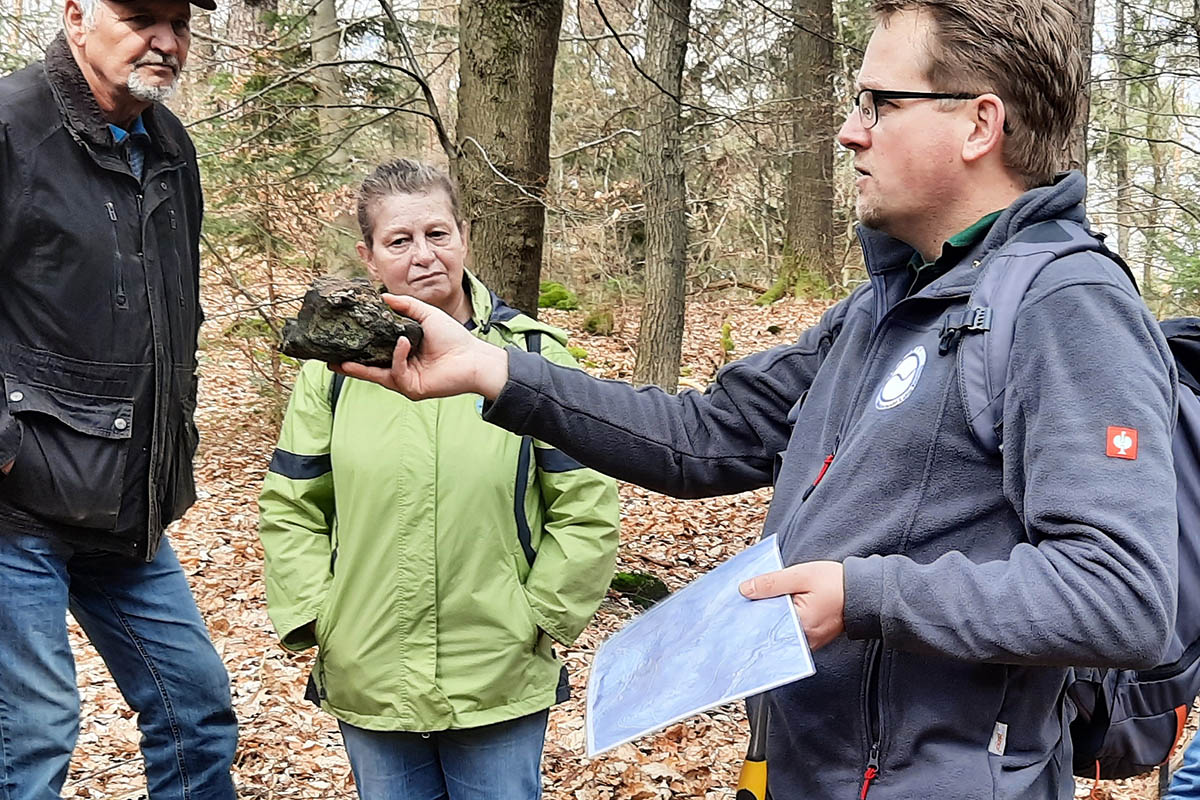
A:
289	749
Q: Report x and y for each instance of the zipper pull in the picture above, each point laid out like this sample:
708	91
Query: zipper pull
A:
824	469
871	772
112	212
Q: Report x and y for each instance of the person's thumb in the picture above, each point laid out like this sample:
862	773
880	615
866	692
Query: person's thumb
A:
410	307
770	584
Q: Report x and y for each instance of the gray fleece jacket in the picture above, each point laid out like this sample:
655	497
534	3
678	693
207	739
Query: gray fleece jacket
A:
972	579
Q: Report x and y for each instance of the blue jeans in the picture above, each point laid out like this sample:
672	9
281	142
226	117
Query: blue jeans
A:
1185	784
493	762
144	623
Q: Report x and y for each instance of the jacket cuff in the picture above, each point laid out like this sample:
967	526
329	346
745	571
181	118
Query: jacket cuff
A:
516	400
557	632
295	634
862	583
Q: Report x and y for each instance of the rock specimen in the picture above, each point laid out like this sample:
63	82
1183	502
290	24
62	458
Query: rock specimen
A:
344	319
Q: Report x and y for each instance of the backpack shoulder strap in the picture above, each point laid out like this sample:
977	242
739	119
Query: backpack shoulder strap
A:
335	391
533	344
533	341
1006	276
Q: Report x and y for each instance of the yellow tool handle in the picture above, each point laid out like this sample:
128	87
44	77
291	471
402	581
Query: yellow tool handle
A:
752	783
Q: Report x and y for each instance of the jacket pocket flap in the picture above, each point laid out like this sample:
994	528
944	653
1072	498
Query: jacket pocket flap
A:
106	417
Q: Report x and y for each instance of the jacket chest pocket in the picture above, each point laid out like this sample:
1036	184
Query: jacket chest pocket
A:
118	258
71	465
176	264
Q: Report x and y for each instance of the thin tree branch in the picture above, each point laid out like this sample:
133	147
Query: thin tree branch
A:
601	140
443	137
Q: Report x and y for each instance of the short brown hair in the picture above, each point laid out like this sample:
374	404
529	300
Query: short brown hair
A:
402	176
1024	51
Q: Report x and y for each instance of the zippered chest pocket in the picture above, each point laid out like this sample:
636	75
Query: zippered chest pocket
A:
120	299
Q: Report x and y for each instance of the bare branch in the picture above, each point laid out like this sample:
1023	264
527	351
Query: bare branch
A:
443	137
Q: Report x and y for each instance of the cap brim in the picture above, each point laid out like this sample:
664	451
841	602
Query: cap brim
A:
207	5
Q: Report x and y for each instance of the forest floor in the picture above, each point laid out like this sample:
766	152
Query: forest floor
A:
289	749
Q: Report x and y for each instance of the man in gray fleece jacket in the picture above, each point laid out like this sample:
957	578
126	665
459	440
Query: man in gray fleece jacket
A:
945	587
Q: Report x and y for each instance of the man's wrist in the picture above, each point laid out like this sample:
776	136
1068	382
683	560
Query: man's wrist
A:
491	371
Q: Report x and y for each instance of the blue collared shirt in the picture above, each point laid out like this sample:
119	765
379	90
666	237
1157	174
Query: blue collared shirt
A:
138	137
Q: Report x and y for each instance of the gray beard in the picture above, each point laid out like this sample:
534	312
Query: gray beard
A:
147	93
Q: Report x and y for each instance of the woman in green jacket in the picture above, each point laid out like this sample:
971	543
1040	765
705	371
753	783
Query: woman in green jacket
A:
431	557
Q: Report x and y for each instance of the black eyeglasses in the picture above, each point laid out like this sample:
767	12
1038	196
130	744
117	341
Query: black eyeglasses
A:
866	101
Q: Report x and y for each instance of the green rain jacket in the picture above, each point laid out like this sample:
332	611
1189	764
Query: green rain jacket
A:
438	555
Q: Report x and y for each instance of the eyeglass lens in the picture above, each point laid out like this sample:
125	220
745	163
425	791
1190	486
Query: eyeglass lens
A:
866	107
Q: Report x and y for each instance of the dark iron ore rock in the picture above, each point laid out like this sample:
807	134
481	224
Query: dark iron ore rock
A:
344	319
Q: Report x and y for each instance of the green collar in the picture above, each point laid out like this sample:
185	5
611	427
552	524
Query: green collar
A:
926	272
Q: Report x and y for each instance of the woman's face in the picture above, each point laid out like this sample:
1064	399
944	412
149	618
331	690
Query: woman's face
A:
418	249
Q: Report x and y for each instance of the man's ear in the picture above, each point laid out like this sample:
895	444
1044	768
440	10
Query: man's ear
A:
73	22
364	253
987	131
464	229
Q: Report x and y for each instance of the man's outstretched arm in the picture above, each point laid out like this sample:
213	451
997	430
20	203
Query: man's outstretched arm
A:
689	445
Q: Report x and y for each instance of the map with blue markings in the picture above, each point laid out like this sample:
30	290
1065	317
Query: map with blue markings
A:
701	647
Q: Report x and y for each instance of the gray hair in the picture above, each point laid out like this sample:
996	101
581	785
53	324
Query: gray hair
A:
399	177
88	9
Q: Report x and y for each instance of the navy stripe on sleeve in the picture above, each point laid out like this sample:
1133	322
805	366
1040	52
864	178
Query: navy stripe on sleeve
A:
551	460
299	468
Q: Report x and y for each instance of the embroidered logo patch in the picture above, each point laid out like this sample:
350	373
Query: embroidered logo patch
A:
1122	442
900	384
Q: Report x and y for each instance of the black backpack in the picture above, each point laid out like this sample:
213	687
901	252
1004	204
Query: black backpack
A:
1128	722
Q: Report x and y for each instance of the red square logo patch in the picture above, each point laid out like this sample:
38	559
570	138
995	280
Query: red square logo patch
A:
1122	442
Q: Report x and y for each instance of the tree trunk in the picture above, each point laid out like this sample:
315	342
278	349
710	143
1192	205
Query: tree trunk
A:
246	24
1157	130
660	337
507	50
1196	23
14	28
808	238
327	81
1076	156
1120	141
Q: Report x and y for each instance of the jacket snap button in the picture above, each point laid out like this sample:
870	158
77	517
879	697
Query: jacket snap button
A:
162	185
16	397
120	424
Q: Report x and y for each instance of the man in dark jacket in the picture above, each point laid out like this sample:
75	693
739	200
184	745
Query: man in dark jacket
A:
945	586
100	210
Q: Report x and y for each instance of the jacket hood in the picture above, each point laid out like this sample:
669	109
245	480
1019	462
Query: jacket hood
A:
489	310
82	113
